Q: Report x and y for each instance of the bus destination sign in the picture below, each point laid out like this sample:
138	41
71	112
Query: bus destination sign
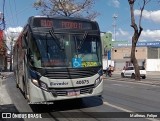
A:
62	23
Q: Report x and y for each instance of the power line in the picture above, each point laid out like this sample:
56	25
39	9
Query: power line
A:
11	17
16	11
11	12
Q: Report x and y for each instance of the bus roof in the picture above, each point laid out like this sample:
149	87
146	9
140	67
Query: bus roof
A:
62	22
63	17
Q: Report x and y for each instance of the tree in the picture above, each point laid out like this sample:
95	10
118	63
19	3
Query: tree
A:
136	35
73	8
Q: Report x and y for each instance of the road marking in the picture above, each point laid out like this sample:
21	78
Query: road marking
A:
122	85
118	85
125	110
117	107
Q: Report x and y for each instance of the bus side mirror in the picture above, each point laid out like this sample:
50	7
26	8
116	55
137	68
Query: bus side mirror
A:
31	59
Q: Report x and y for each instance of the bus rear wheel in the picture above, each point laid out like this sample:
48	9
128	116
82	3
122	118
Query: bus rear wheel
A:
17	85
24	89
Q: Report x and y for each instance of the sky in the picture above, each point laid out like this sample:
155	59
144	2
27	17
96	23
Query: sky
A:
17	12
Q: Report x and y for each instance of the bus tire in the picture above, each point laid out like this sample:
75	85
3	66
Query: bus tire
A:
100	96
24	89
16	79
17	85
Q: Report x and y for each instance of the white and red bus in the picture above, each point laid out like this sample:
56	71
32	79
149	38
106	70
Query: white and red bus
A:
58	58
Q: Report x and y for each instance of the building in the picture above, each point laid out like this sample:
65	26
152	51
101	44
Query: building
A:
147	54
3	64
106	49
106	43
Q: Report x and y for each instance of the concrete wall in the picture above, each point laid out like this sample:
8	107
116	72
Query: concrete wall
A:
121	56
146	56
119	64
106	63
153	65
2	62
152	53
125	52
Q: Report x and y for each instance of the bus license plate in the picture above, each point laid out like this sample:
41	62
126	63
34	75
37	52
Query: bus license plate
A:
73	93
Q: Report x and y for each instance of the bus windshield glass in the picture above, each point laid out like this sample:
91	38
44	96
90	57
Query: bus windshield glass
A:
67	50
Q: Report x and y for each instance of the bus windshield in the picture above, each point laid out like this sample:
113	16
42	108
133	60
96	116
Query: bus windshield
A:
67	50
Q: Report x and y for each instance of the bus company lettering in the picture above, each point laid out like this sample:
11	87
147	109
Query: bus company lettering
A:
58	83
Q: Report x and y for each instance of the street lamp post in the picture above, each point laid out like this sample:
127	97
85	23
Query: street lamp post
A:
12	38
114	25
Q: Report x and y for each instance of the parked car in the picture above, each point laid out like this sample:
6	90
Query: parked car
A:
130	72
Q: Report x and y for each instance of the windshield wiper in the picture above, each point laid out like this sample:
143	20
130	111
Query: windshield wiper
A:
83	39
47	47
51	32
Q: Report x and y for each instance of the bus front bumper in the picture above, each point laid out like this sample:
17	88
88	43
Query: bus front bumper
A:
39	95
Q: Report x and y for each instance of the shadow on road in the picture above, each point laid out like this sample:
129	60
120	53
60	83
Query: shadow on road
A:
66	105
9	108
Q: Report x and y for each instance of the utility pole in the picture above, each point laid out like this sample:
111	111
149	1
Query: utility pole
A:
114	32
11	45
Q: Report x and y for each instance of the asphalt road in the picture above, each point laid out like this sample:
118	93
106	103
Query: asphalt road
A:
119	97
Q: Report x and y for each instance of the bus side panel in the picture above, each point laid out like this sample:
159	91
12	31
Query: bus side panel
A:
19	69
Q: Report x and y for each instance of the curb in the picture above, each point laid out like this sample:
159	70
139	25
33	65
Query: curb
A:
148	72
142	81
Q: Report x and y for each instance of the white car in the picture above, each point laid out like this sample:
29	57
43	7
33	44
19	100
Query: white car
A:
130	72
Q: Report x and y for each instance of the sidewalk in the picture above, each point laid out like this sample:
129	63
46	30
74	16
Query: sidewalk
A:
4	75
148	73
154	81
4	96
153	73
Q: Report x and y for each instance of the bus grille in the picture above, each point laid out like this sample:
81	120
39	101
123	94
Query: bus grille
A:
64	91
64	73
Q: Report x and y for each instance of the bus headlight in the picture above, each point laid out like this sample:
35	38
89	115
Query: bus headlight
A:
98	81
40	84
35	82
